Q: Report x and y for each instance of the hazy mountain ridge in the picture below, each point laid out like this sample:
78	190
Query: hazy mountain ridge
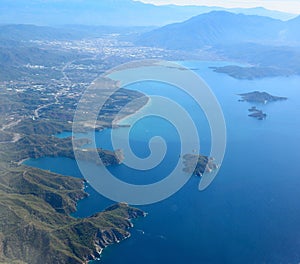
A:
270	45
108	12
222	28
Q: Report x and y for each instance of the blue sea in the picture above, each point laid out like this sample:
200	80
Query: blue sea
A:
251	211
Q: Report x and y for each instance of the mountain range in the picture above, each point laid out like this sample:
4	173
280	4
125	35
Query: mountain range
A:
220	28
270	46
264	42
108	12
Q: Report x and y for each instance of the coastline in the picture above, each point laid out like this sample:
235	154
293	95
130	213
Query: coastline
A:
131	247
22	161
125	120
96	260
121	122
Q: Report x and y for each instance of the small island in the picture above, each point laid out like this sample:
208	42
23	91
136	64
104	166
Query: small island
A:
203	163
256	113
260	97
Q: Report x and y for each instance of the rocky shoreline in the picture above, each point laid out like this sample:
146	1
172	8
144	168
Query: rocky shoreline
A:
198	164
37	204
106	237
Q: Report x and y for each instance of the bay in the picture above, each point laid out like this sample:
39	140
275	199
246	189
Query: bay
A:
251	212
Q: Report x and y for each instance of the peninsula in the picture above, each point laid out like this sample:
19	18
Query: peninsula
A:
36	205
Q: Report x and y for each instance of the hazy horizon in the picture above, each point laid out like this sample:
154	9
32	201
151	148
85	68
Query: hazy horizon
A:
290	6
128	12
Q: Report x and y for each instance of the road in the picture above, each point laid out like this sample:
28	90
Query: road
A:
67	82
16	136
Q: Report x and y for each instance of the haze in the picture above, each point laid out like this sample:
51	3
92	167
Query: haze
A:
291	6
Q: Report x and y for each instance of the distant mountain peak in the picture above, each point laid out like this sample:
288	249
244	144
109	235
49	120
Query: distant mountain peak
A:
214	29
107	12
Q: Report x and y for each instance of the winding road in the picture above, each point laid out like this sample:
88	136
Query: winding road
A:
16	136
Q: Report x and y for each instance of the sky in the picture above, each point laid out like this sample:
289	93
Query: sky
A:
290	6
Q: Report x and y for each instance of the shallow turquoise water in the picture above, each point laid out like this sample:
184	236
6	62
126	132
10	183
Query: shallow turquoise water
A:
251	212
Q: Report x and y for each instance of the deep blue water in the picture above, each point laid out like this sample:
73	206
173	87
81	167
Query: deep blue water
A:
251	212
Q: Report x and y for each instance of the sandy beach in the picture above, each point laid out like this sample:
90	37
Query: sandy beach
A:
126	120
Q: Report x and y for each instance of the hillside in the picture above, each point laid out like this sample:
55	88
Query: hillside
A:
36	205
271	46
36	226
214	29
291	31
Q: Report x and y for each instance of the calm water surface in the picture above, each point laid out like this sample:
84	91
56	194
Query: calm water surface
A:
251	212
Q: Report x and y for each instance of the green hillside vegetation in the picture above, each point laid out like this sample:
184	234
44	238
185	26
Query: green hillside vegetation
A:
41	127
35	224
37	146
35	205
